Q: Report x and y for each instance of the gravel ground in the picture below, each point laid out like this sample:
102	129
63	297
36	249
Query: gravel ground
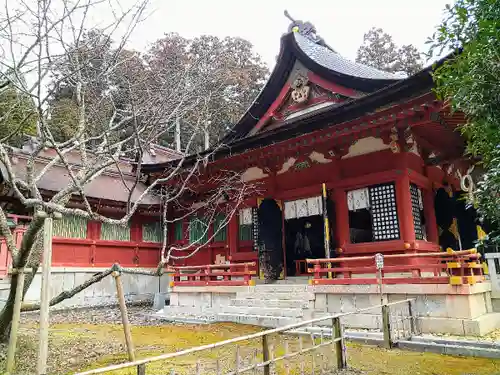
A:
137	315
74	340
69	352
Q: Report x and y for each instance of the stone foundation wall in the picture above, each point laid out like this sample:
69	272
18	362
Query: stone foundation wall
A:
458	310
441	308
199	301
136	287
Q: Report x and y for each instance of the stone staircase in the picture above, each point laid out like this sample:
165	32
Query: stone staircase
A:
270	305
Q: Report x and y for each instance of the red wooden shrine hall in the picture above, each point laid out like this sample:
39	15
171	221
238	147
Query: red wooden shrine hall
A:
384	146
78	242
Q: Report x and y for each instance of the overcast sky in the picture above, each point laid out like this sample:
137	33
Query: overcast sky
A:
341	23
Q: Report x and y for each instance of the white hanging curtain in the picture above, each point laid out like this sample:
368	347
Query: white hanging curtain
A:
245	216
290	210
303	208
358	199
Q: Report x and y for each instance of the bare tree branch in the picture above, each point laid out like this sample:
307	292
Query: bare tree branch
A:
98	106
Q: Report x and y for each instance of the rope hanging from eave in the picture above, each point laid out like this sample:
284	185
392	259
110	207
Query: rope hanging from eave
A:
467	183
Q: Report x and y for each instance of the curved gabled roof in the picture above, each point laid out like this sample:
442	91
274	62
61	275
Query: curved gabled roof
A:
319	59
416	85
333	61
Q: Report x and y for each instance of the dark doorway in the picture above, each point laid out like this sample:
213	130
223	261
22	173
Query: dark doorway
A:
270	239
304	238
445	208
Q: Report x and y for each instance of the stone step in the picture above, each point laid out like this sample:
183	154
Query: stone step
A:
280	303
5	284
256	320
187	316
264	311
283	288
304	296
172	310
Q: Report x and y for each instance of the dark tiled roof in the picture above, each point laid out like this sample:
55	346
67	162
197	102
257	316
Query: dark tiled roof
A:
335	62
109	185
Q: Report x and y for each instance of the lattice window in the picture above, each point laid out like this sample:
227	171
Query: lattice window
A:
246	233
179	230
417	208
70	227
198	231
220	228
114	232
152	232
384	214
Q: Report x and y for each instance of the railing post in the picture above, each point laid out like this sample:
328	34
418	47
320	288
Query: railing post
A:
337	333
207	277
246	276
265	355
141	369
386	326
18	300
492	271
412	316
123	311
43	351
237	360
317	273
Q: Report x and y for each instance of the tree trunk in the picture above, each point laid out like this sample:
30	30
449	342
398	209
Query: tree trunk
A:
206	139
30	258
8	309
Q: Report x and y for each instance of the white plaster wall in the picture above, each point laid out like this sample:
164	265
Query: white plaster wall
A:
136	287
253	173
366	146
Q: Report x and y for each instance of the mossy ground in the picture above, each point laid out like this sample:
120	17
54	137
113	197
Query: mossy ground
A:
84	339
81	345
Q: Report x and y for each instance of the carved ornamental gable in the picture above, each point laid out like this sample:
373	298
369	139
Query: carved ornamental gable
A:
301	90
303	95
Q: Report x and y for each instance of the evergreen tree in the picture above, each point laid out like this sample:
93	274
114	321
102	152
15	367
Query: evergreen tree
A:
380	51
470	80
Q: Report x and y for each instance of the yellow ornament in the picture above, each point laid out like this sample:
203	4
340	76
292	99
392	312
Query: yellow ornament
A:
295	29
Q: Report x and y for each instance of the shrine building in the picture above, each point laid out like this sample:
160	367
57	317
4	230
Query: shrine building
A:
82	247
387	151
350	162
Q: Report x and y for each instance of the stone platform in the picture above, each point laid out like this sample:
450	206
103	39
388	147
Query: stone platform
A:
136	287
458	310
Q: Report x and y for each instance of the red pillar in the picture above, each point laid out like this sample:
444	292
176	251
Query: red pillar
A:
342	217
405	214
136	230
232	234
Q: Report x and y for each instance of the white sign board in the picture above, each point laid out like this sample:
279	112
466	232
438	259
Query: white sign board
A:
379	261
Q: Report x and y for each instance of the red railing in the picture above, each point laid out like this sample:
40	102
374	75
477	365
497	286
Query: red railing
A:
452	267
235	274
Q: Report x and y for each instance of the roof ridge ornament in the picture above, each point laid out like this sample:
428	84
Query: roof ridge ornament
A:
306	29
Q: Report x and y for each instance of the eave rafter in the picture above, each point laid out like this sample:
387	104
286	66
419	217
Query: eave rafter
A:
334	141
337	138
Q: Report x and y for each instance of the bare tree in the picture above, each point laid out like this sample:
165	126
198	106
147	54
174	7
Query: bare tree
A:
43	46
